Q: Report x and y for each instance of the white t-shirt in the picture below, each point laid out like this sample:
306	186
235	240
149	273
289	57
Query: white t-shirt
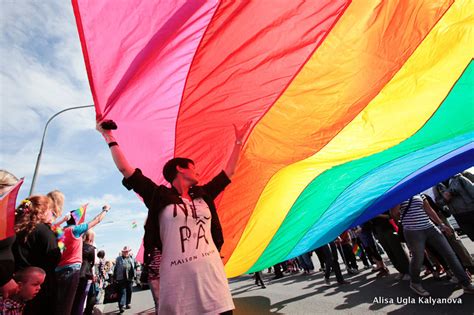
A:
192	280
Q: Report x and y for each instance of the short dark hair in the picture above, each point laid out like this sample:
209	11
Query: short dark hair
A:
170	171
23	274
71	221
100	254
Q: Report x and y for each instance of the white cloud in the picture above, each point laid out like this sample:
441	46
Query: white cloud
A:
111	199
124	209
42	66
42	72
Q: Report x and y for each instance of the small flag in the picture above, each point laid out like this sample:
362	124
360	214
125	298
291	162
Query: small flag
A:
7	211
134	224
79	215
357	250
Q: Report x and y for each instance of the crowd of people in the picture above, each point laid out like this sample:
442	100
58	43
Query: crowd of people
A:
415	234
47	268
51	268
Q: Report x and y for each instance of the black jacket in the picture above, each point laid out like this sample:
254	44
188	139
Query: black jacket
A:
88	255
7	263
40	250
156	198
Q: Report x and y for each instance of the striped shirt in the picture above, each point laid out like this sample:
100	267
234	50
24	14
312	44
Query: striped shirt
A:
416	218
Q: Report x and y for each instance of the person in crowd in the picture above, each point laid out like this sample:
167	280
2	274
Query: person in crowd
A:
329	252
434	262
416	217
320	256
124	272
57	198
347	253
258	279
86	273
8	286
368	241
7	181
434	256
36	246
101	273
68	269
29	282
292	266
385	233
454	240
175	214
278	268
459	196
357	243
306	263
109	269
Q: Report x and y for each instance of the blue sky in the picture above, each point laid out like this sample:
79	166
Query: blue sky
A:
43	72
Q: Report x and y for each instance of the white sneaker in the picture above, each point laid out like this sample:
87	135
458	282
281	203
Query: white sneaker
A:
417	287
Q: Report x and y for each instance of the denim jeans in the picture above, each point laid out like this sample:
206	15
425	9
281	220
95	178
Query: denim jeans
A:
305	262
416	240
67	280
125	293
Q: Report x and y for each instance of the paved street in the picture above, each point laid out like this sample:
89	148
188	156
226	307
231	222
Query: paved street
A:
307	294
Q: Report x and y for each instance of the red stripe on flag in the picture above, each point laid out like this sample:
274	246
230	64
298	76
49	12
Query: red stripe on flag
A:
7	211
84	207
248	56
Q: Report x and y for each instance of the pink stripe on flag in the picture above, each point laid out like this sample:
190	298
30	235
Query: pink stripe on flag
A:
140	254
137	55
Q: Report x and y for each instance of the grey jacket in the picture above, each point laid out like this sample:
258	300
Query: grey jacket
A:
124	268
462	194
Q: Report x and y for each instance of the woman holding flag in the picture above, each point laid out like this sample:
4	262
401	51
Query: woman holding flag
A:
192	278
68	270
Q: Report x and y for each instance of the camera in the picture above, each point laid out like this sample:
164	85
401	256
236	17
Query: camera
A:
108	125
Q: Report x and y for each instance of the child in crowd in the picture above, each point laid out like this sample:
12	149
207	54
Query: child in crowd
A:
29	282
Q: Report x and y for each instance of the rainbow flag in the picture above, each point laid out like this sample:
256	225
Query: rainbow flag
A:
355	106
7	211
79	214
357	250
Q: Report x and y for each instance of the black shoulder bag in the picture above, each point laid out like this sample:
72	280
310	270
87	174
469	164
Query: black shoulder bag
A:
400	233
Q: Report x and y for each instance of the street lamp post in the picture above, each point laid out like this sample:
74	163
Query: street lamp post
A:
33	182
